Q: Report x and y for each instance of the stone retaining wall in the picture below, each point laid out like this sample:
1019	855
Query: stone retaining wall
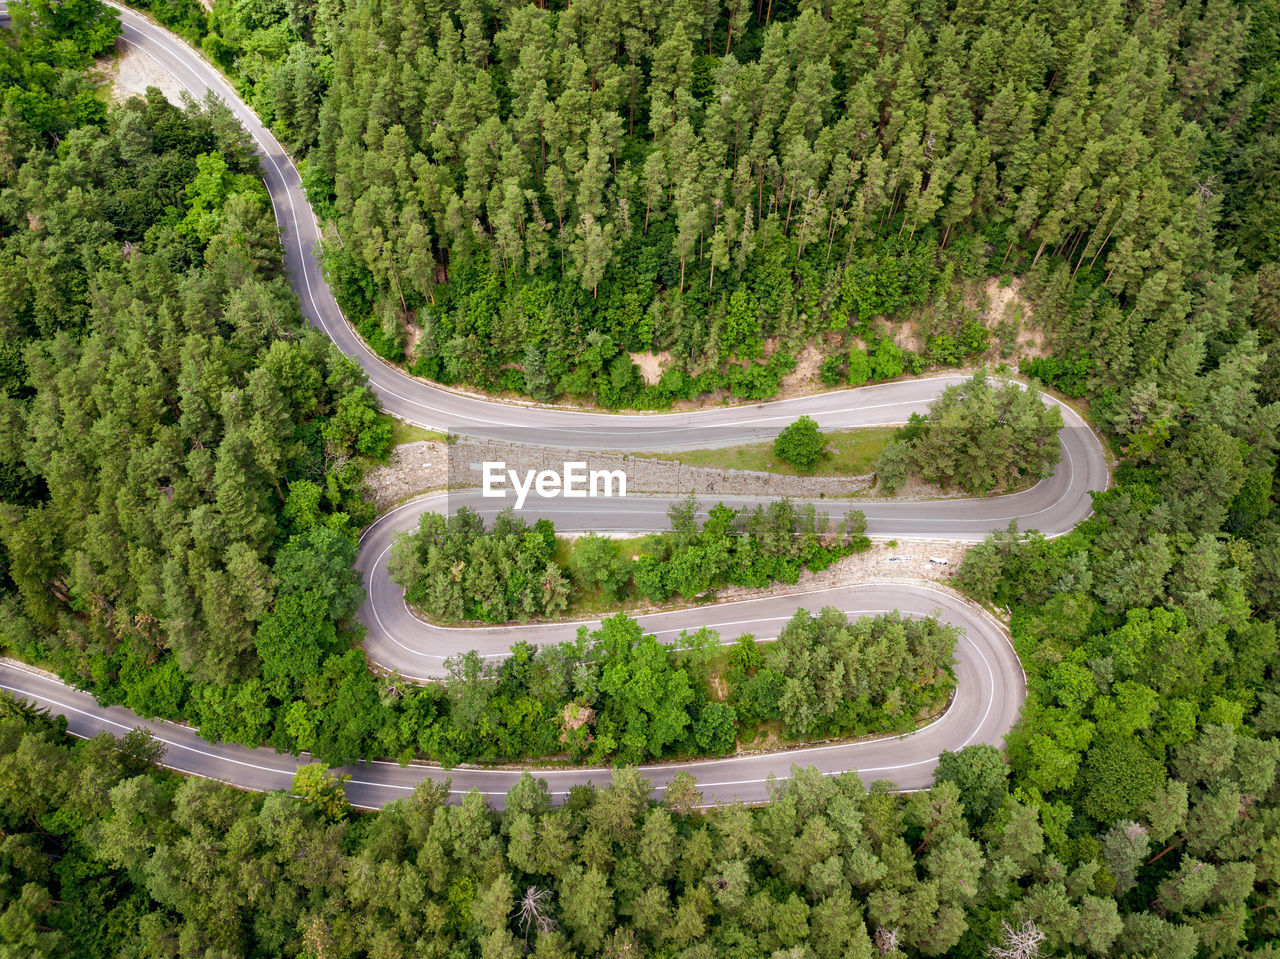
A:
417	467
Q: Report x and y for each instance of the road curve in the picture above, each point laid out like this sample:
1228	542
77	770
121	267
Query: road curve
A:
989	695
433	406
990	687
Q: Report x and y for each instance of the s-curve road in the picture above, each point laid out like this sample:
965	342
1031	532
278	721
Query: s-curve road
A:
989	695
990	688
396	639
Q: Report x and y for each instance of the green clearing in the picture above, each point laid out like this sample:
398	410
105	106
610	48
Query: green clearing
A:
591	601
848	453
409	433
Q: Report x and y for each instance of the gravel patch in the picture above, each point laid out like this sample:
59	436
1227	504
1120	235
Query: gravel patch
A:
132	71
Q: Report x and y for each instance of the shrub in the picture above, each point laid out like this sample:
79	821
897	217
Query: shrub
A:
801	445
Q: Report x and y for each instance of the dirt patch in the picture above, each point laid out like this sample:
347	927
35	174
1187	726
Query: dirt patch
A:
719	688
905	336
652	365
1008	313
1002	301
412	335
414	468
132	71
1030	344
575	716
804	378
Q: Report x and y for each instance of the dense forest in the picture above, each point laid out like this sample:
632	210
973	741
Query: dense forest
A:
180	456
183	461
534	190
616	694
540	190
103	856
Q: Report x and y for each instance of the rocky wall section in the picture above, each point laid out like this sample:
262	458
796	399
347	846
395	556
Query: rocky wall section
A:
418	467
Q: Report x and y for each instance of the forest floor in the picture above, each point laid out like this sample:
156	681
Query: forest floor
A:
651	365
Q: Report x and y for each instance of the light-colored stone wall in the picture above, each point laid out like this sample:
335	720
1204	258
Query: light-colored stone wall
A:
417	467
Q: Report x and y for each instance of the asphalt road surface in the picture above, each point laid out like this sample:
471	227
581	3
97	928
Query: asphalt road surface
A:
990	682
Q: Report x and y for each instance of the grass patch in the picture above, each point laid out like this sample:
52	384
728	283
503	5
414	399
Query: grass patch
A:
627	548
765	735
591	601
409	433
848	453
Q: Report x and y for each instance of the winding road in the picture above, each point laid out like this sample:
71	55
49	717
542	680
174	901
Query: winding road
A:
990	683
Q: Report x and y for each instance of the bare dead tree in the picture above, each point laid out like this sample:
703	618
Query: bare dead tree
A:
886	940
534	909
1021	943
